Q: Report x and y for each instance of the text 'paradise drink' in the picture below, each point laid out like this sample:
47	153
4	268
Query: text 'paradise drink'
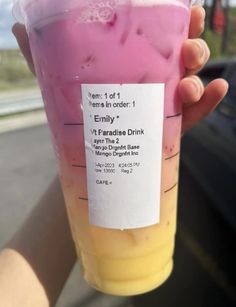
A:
109	72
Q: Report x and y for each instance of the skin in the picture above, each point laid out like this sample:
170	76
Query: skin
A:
35	263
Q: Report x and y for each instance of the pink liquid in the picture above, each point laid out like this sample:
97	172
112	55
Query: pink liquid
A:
136	45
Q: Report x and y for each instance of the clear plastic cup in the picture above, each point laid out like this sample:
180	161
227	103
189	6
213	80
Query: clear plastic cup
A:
85	51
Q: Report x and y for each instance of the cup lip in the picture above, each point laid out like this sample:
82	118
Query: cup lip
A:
17	12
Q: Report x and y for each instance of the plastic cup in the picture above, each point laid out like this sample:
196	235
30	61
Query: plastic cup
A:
84	52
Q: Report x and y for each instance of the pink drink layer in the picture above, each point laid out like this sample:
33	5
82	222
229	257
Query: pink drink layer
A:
139	44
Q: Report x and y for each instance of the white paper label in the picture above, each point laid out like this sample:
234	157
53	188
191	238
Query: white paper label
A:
123	127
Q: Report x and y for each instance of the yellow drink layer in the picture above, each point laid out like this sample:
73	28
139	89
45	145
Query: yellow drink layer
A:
125	262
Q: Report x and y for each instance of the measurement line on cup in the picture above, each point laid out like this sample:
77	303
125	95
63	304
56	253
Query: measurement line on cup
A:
174	115
171	188
73	124
77	165
83	198
175	155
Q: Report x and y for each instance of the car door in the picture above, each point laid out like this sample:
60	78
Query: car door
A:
209	149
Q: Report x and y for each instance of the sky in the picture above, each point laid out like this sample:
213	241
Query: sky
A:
6	20
7	40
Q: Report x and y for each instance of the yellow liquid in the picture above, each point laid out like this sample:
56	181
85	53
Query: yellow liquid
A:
124	262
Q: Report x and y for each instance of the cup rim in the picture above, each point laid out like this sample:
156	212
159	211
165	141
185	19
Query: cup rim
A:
18	12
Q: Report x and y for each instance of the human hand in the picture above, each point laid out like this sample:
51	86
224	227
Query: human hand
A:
197	100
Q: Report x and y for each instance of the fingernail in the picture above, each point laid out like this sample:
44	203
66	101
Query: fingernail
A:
201	50
203	12
195	85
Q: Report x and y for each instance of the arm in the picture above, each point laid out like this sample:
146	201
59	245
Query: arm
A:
35	264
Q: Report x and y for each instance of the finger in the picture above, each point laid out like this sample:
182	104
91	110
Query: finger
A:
191	90
195	54
197	21
214	93
22	39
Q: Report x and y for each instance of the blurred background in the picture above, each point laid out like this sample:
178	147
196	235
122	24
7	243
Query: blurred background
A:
204	272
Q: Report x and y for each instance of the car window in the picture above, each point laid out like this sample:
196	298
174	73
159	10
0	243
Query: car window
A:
210	73
228	107
231	97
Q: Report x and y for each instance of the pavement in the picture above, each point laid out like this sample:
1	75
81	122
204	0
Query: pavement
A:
204	271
